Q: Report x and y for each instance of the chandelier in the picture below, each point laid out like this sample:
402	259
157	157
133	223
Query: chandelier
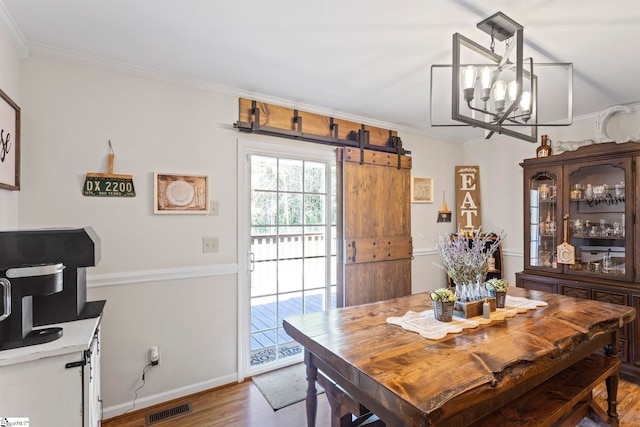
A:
500	92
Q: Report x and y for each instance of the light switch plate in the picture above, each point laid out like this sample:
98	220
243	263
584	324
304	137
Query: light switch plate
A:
214	208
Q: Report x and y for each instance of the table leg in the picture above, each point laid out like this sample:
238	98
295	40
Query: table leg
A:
612	398
312	396
611	382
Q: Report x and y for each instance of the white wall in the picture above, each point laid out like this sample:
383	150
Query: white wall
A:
160	289
501	191
10	84
70	111
435	159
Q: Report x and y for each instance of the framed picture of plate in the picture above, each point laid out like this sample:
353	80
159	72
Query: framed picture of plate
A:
180	194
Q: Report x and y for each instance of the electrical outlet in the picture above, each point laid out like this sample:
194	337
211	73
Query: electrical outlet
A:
209	244
154	355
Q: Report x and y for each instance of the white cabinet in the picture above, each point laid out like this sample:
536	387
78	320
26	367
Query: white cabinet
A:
56	383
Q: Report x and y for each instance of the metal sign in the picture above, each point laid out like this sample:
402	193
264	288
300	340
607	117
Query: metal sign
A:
112	186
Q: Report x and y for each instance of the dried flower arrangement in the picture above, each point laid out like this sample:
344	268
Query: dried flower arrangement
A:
465	255
444	295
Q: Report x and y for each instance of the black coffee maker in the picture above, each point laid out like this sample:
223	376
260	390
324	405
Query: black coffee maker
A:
19	285
43	281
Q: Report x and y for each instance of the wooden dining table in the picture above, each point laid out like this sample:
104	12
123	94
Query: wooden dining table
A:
369	366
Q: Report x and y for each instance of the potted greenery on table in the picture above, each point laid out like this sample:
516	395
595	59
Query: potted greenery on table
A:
443	302
498	288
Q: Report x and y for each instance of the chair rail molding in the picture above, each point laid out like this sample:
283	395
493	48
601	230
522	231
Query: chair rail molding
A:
146	276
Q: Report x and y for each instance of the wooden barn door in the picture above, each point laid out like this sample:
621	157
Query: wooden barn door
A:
375	261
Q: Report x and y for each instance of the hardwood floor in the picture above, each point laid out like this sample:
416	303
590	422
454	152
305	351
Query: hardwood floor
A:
242	405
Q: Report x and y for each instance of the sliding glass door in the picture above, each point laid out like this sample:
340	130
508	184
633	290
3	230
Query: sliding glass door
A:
291	249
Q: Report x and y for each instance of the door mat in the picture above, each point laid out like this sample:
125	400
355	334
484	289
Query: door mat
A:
284	387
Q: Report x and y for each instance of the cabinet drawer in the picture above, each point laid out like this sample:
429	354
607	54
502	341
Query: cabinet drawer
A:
610	297
575	291
539	286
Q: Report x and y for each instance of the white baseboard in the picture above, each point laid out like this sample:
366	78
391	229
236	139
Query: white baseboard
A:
116	410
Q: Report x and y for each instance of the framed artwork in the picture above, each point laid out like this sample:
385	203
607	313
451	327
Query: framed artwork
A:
180	194
9	143
421	190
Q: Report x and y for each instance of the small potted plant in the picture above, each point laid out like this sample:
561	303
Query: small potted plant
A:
498	288
443	302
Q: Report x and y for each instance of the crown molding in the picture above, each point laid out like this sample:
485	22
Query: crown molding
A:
9	25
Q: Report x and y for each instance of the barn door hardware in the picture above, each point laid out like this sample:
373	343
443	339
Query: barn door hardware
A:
379	249
266	119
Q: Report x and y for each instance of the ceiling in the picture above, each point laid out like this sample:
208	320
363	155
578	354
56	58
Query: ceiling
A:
369	59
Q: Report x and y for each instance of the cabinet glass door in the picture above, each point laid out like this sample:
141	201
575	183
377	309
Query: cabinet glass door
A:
598	225
543	225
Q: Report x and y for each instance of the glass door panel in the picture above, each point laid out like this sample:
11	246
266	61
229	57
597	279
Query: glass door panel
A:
598	226
543	225
292	249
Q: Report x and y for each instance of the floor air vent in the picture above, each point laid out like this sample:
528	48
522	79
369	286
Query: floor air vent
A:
165	414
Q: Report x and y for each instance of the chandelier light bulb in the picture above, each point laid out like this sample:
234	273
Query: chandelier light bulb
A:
499	90
512	90
469	77
485	79
499	93
468	82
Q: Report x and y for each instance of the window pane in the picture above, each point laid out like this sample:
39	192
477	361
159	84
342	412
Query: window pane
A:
289	305
290	276
334	276
290	209
264	278
315	273
314	241
333	210
264	246
333	180
263	173
263	313
259	341
314	209
290	244
263	208
314	301
334	238
290	175
314	177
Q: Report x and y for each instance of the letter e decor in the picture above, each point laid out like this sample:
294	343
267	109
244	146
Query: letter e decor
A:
468	197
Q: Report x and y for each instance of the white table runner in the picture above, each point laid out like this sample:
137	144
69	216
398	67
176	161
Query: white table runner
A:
425	324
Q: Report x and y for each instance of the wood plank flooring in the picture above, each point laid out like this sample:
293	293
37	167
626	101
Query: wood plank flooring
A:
236	405
242	405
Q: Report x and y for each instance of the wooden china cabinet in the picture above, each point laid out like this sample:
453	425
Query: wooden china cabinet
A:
591	196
